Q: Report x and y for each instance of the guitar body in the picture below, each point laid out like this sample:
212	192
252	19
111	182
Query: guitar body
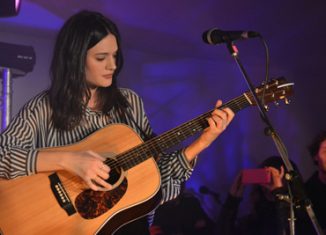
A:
29	206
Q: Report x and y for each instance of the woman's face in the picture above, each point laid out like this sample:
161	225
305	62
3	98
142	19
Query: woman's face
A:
101	62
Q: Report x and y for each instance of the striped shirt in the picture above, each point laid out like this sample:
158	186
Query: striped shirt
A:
33	129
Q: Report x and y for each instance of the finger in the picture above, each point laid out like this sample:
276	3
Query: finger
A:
282	171
103	174
220	113
230	114
103	171
215	123
92	184
220	118
100	184
273	171
101	163
103	185
104	167
218	103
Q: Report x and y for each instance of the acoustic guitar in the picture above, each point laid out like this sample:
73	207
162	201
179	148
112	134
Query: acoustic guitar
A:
60	203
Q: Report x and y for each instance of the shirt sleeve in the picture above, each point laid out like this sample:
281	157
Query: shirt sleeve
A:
17	146
175	170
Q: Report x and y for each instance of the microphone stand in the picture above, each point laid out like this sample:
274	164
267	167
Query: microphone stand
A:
293	178
6	105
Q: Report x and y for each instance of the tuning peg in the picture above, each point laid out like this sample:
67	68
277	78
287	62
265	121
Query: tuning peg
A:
266	107
287	101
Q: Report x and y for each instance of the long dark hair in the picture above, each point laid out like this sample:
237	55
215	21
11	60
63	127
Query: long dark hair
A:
68	92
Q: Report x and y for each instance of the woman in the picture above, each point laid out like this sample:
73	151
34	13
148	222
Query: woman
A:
83	98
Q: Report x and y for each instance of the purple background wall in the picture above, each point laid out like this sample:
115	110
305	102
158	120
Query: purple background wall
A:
180	77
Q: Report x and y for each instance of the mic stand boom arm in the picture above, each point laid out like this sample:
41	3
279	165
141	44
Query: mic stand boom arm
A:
295	179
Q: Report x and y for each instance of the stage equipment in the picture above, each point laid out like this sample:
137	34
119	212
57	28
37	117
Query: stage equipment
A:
216	36
9	7
15	61
297	195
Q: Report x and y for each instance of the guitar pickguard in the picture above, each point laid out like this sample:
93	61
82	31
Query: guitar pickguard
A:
91	204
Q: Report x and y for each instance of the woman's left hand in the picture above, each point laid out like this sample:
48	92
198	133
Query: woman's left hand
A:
218	122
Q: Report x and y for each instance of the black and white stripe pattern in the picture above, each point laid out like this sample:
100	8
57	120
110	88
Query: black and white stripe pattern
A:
32	129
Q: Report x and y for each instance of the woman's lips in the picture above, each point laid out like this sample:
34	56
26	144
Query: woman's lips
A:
108	76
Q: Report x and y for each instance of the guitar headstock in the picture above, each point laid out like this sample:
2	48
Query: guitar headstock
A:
276	89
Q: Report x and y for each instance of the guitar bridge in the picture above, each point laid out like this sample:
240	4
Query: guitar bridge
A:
61	194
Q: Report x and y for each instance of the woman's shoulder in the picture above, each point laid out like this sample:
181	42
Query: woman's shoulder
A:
130	95
134	100
128	92
41	100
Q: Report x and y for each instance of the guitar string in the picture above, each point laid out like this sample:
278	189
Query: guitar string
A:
128	156
235	104
125	158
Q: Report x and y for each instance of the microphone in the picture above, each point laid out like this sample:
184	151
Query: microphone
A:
207	191
216	36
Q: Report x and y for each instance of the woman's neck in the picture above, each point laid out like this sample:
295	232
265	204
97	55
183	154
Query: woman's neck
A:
92	103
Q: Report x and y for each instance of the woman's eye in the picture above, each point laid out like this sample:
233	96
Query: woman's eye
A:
100	58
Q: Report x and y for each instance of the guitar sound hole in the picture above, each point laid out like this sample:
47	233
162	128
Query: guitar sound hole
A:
114	176
91	204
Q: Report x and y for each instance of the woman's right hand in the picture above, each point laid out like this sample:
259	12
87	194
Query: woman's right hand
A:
88	165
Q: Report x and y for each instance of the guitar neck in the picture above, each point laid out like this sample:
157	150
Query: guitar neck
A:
174	136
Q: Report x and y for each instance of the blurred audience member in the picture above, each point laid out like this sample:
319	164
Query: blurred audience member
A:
182	216
316	184
268	215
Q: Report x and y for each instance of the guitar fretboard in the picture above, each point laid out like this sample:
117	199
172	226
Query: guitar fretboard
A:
174	136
